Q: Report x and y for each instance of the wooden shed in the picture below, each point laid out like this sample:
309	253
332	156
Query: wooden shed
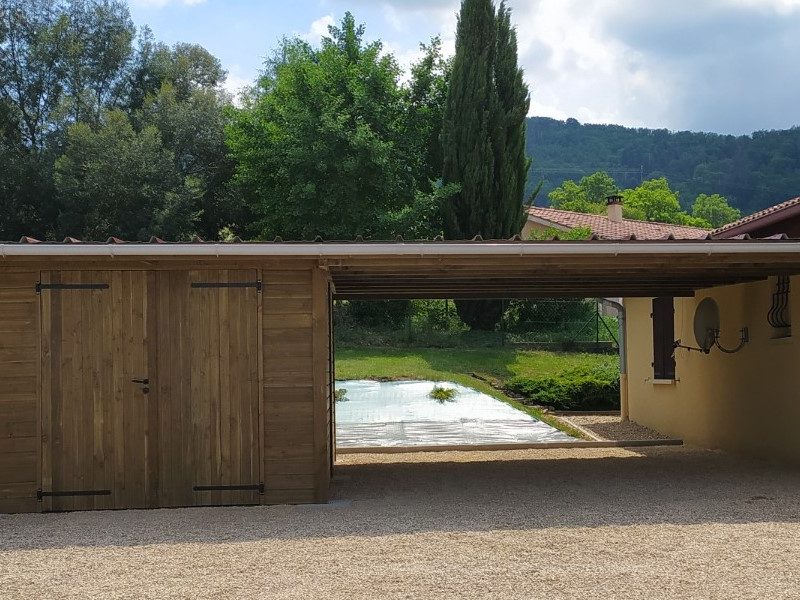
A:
157	374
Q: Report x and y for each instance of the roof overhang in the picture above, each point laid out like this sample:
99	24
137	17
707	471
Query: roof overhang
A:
751	224
373	270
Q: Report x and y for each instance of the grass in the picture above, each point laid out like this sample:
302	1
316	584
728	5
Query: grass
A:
443	394
461	365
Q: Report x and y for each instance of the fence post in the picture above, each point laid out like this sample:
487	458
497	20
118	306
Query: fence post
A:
596	324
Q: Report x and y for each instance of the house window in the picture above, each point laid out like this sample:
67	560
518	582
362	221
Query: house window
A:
663	338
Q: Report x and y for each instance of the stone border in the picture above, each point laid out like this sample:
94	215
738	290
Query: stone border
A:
489	447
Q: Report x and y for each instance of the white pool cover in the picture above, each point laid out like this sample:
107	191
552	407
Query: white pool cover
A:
401	413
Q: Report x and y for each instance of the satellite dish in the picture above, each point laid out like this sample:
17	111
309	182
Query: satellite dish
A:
706	324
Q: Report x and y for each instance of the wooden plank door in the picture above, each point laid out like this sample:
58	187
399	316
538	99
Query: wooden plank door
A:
223	338
94	417
207	383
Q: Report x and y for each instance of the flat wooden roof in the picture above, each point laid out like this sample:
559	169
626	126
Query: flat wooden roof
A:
478	269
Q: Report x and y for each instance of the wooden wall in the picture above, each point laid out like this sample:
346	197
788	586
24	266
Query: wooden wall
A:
296	438
19	398
296	419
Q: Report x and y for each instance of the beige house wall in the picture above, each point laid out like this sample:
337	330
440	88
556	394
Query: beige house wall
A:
748	402
531	225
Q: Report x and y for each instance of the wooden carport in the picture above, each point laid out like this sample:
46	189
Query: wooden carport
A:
174	374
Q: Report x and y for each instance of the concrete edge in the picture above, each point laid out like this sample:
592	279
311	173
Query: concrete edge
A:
589	435
584	413
490	447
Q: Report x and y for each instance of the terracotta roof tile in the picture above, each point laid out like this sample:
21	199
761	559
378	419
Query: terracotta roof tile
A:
757	216
604	228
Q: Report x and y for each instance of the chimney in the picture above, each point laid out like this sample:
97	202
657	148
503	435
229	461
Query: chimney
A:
614	204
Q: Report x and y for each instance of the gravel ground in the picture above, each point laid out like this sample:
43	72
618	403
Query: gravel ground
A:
601	523
610	427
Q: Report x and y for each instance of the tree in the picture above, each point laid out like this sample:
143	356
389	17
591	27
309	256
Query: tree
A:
61	62
193	130
715	210
320	148
115	181
587	196
483	136
188	68
425	99
653	200
24	181
97	51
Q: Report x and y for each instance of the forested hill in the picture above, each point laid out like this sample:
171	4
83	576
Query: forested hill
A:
752	171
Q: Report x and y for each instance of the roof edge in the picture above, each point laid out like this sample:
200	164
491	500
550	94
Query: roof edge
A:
402	249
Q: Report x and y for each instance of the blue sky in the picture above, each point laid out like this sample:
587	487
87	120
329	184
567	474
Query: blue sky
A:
729	66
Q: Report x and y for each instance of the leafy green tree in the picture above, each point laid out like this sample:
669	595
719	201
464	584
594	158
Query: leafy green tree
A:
425	98
192	128
187	68
320	148
653	200
24	181
61	61
715	210
587	196
97	50
483	136
115	181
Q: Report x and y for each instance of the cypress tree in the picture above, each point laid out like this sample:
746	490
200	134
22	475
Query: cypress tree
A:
483	138
513	103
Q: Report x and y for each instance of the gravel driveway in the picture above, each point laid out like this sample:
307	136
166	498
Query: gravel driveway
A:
606	523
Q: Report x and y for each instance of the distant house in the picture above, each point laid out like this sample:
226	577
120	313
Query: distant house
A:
610	226
783	218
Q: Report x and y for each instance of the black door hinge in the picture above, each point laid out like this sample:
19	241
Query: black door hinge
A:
253	487
70	286
40	494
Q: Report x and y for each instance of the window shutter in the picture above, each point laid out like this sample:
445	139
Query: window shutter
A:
663	338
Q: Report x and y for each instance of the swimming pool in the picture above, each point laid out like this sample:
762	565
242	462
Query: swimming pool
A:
401	413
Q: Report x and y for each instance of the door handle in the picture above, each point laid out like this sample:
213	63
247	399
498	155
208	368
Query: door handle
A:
145	382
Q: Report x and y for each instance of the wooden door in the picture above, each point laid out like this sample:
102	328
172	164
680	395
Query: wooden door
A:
207	385
94	417
190	435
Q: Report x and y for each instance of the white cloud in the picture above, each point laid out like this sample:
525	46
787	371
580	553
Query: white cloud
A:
721	65
576	70
236	83
318	29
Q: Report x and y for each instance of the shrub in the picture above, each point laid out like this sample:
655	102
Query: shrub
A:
442	394
373	313
340	395
576	389
436	315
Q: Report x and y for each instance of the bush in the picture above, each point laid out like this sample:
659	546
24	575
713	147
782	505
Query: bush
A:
373	313
443	394
436	315
576	389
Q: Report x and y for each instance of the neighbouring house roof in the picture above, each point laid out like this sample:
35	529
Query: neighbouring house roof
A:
605	228
771	217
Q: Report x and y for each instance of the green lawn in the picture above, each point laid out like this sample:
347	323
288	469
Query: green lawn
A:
458	365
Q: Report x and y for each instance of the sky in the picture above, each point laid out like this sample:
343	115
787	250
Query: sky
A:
724	66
